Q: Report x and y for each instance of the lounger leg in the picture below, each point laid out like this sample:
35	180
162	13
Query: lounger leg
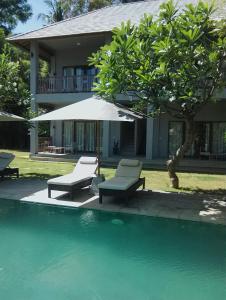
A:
49	192
144	184
100	198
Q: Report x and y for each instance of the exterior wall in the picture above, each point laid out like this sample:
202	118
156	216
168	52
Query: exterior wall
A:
56	130
213	112
62	99
114	134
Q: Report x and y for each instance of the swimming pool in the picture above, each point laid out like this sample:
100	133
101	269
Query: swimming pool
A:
57	253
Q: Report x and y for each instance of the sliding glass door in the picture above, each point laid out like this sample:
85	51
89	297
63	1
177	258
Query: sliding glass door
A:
210	139
85	136
68	79
68	134
79	136
219	138
90	137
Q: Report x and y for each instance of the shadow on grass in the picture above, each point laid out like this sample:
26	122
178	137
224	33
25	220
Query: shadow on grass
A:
41	176
203	191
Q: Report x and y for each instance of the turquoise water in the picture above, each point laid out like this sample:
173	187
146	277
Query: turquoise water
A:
49	253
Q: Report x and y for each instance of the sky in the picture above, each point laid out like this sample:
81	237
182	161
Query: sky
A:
38	6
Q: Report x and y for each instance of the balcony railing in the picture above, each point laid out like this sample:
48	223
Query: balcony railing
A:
72	84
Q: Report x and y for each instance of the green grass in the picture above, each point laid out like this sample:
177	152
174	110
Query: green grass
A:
156	180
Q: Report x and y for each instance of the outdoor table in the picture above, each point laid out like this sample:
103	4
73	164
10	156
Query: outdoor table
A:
51	148
58	150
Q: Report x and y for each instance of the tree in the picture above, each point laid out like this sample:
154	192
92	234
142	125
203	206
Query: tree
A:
12	11
97	4
14	98
56	12
172	64
14	95
62	9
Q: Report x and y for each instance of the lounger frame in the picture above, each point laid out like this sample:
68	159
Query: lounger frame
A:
69	188
121	193
9	172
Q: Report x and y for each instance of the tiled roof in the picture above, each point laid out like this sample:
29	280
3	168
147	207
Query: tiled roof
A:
102	20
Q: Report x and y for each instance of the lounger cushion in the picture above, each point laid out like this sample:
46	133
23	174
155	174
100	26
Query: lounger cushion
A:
130	162
88	160
118	183
69	179
6	155
5	159
130	168
81	172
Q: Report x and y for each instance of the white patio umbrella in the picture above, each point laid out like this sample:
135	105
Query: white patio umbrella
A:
92	109
7	117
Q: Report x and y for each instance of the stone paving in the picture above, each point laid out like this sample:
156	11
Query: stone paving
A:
197	207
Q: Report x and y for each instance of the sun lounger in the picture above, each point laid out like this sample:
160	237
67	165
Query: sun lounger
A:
126	181
5	160
82	176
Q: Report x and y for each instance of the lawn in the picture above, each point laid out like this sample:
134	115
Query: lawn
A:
156	180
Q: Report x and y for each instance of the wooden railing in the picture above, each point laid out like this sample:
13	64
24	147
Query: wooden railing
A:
72	84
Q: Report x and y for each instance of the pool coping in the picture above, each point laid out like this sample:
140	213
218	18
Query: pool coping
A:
187	214
112	212
209	208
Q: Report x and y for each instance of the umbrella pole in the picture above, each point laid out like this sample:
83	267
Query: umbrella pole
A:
98	146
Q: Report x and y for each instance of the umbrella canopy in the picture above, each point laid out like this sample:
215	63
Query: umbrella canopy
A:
92	109
6	117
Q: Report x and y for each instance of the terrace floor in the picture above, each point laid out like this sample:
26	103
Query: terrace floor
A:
192	165
195	207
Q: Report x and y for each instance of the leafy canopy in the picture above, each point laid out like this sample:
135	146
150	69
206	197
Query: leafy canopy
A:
173	62
12	11
14	95
62	9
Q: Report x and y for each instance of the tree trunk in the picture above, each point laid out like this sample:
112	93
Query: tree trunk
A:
173	163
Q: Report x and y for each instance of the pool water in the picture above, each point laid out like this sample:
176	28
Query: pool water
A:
51	253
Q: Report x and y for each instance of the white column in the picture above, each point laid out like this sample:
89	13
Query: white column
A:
106	139
149	137
34	56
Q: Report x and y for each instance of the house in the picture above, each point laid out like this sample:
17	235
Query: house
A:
66	45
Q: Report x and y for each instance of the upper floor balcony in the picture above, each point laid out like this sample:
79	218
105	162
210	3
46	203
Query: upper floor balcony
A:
66	84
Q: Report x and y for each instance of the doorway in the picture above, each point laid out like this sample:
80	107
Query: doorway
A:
127	145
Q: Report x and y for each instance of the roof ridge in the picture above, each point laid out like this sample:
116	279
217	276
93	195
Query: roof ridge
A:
78	16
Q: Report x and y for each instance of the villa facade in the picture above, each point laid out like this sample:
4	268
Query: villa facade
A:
67	45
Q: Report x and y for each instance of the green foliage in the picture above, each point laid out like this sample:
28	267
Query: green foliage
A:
14	95
62	9
12	11
173	63
97	4
2	39
44	69
56	12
